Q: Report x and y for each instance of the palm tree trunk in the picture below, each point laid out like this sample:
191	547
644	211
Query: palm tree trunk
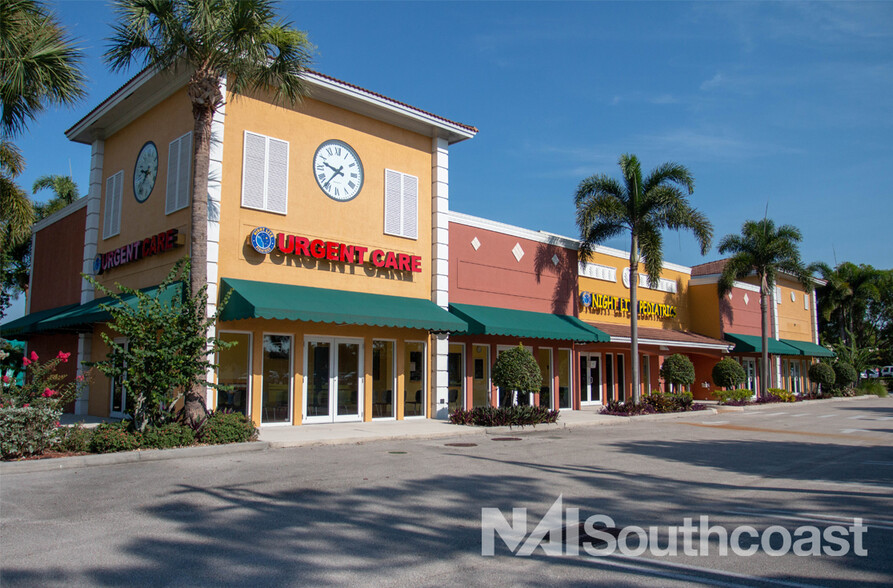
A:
205	95
764	310
634	314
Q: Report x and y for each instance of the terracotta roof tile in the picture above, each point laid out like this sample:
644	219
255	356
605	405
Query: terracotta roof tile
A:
681	337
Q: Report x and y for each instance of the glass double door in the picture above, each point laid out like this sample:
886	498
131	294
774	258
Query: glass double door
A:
333	383
590	379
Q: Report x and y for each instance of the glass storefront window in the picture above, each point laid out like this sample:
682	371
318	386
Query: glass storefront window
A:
276	395
621	383
233	371
384	382
415	366
544	360
456	376
564	378
480	380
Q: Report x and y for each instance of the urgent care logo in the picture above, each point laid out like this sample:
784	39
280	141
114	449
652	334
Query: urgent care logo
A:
263	242
137	250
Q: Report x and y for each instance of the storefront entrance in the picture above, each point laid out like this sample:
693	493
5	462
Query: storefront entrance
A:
333	386
590	379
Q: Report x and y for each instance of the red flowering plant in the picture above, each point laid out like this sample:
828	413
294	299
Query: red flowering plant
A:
43	386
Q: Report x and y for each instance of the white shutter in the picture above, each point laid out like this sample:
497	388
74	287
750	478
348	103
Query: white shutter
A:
393	219
173	165
109	206
410	207
253	170
119	193
277	176
184	186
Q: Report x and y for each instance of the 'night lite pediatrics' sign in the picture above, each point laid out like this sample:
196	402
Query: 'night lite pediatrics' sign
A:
263	241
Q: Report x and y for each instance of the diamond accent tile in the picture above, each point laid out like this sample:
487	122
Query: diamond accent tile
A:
746	299
517	251
475	243
554	259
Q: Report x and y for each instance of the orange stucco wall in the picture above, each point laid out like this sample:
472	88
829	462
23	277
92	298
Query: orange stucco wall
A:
703	302
58	259
312	214
170	119
794	318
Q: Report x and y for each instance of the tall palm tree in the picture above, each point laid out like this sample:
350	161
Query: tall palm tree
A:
239	40
39	64
607	207
845	298
763	250
16	218
65	191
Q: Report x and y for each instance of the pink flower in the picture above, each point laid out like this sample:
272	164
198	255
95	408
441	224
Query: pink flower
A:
79	377
58	424
6	379
47	393
63	356
34	356
26	362
25	405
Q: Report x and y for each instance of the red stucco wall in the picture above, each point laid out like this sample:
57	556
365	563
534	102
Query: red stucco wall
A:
58	259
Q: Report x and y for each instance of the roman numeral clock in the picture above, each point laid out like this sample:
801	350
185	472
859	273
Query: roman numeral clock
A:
338	170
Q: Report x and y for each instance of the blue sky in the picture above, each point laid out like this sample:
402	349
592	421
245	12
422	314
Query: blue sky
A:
780	104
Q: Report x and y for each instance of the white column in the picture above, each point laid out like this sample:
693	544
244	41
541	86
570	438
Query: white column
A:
775	301
440	263
91	227
815	318
215	177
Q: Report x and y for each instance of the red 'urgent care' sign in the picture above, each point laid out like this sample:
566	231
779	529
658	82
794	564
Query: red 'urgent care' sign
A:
341	252
137	250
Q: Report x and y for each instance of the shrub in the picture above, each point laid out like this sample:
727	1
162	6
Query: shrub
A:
739	396
226	427
654	403
516	370
781	395
728	373
167	436
112	437
27	430
511	416
845	374
821	374
872	387
74	439
678	370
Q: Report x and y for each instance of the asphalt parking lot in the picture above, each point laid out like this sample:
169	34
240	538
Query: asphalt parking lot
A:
409	513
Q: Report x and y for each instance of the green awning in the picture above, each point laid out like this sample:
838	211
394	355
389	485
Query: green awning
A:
26	325
486	320
809	348
249	299
78	316
754	344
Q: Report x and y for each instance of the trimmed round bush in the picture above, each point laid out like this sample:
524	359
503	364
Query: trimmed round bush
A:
678	369
168	436
516	370
728	373
734	397
845	374
227	427
821	374
113	437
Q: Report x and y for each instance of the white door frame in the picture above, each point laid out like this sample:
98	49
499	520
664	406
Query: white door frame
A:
291	380
333	416
588	385
119	414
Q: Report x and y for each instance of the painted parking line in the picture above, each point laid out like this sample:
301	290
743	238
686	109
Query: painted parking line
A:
799	415
857	417
827	416
812	517
848	431
717	423
781	431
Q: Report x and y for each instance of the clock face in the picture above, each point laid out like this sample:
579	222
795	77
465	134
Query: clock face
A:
145	171
338	170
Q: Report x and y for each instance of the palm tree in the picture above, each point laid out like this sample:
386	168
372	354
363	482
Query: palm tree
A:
16	218
607	207
65	191
39	65
845	298
763	250
239	40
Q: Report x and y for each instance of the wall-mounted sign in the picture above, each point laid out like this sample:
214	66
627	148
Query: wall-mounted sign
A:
147	247
603	302
261	241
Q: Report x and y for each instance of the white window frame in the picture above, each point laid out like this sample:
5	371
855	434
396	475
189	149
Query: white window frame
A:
406	370
109	217
462	392
113	383
393	415
267	139
333	416
488	365
413	233
551	376
570	376
250	368
291	380
168	209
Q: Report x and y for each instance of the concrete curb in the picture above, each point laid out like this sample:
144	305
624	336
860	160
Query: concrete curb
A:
104	459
